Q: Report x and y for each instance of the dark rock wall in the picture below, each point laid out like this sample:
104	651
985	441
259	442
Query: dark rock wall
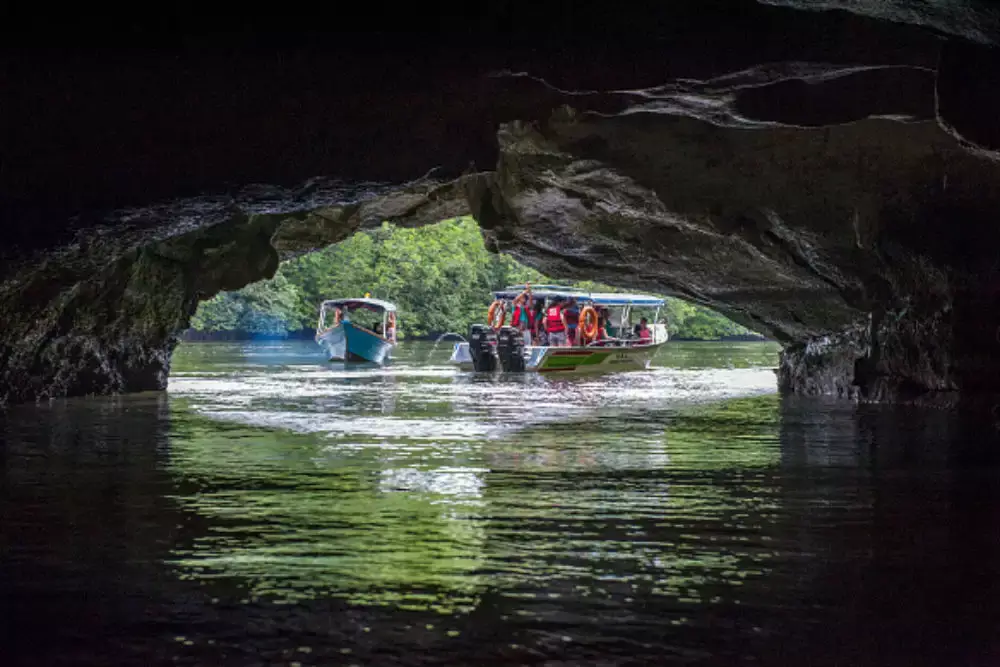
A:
877	228
111	327
973	20
829	178
105	315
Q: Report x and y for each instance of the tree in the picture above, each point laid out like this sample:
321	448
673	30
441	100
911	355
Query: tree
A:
439	276
266	307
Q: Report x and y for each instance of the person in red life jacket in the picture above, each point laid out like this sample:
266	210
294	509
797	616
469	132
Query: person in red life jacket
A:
571	320
602	331
515	320
555	328
524	316
645	335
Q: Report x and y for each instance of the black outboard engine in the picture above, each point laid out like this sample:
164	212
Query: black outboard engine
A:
483	348
510	349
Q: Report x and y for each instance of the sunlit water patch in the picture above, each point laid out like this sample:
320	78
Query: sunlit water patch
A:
362	400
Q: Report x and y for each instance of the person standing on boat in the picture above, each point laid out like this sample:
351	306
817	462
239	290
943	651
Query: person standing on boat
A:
538	323
571	320
555	325
390	328
524	316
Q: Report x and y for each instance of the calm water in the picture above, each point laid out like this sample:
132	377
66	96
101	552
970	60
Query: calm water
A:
275	509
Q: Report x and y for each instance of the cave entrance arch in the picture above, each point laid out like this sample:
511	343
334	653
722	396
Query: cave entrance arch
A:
838	193
438	274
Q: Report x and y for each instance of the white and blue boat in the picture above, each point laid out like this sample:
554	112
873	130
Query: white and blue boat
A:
362	329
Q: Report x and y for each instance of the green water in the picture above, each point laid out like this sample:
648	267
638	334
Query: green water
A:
425	463
412	485
274	508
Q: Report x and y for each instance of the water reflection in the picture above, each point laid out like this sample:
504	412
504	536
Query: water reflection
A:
486	487
279	513
394	518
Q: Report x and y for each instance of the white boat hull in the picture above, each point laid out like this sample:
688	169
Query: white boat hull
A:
574	360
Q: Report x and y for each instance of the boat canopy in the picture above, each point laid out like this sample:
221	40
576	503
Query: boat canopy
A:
375	305
597	298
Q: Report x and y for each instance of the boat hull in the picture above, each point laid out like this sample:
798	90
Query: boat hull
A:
574	360
347	342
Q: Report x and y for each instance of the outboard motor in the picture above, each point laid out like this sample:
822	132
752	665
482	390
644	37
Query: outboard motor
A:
510	349
483	348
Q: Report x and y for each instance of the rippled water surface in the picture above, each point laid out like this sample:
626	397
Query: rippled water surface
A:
273	508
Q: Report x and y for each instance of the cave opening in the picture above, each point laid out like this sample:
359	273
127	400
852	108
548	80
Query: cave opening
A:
439	276
804	189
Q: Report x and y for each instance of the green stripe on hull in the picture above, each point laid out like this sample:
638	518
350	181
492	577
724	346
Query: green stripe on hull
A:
560	361
595	358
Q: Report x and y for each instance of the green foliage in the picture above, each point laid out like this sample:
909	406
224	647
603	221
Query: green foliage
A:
438	276
267	307
687	320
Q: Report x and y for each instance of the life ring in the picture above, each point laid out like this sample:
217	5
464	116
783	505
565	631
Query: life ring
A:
497	314
588	323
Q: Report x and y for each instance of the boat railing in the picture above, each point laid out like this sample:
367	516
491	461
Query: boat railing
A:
611	342
622	342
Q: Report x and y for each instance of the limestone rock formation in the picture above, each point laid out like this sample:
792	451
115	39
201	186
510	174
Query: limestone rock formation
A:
830	178
974	20
867	237
105	314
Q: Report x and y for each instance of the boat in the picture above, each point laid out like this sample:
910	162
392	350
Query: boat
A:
355	329
494	347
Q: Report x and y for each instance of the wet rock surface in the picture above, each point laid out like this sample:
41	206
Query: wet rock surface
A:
852	244
105	315
828	178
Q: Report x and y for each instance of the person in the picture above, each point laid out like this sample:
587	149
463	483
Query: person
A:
602	332
529	318
538	323
614	324
571	320
524	316
518	310
642	329
555	327
390	329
